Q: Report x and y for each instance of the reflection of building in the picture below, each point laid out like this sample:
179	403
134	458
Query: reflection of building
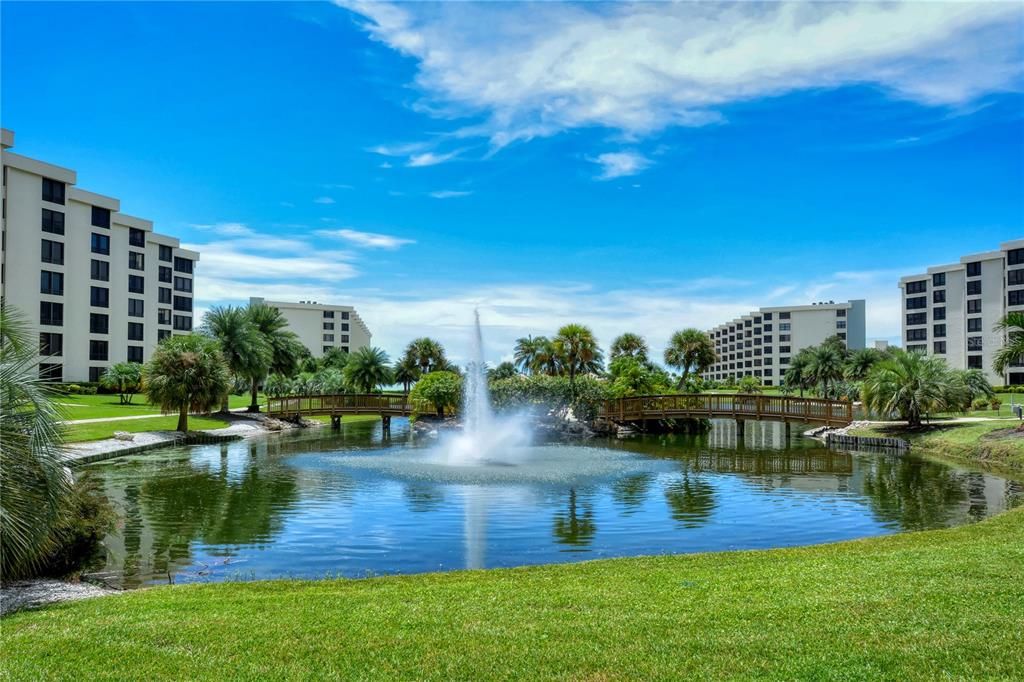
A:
100	286
321	326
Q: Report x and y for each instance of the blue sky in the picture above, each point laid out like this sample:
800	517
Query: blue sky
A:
634	167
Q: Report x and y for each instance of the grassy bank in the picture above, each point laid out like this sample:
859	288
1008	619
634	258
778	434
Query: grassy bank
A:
911	606
994	443
105	406
76	433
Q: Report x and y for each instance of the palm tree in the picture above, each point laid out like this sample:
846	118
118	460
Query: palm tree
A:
334	357
406	372
246	351
796	375
548	360
504	370
427	353
859	362
911	385
125	378
367	368
630	345
286	351
186	374
824	366
34	482
576	346
527	350
690	349
1013	350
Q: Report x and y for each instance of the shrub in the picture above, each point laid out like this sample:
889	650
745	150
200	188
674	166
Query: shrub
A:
551	394
994	403
980	404
87	517
749	384
125	378
441	390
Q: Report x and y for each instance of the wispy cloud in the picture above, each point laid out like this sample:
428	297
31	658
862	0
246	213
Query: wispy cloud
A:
368	240
323	200
226	229
620	164
449	194
430	159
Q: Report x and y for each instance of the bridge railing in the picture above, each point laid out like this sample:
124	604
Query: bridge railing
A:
722	405
344	403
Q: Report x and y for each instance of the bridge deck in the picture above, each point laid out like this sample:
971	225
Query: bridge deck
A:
728	406
384	404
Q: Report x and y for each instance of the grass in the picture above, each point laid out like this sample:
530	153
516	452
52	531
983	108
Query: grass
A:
76	433
103	406
986	442
910	606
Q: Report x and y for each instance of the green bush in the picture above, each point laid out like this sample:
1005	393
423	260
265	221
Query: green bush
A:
980	404
994	403
86	518
440	390
551	394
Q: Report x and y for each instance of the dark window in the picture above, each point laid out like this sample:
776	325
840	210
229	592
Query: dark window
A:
95	373
135	331
53	221
939	347
344	328
841	313
329	338
99	297
973	343
100	270
182	284
51	314
939	279
136	284
51	344
1012	298
918	287
1014	277
162	334
183	265
783	316
767	316
974	362
136	260
329	313
917	334
784	337
974	324
136	307
101	244
51	283
784	349
165	274
101	217
53	191
939	331
344	339
1015	257
99	323
183	323
938	313
917	303
974	269
329	325
183	303
974	306
917	318
165	295
939	296
52	252
783	361
136	237
51	372
98	350
974	287
163	316
166	253
344	314
135	354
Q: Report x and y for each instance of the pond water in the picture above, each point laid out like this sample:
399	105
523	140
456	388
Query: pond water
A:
314	504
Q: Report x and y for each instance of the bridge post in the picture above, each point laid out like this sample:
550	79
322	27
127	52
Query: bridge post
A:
335	422
788	430
385	423
740	429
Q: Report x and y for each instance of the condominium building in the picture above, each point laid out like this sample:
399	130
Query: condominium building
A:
762	343
951	310
322	327
99	286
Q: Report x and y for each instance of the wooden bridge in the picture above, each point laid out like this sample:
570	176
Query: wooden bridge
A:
387	405
740	407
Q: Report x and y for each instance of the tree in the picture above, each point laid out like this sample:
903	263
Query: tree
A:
443	390
246	351
406	372
576	346
750	385
860	362
910	385
125	378
631	377
824	366
427	353
286	351
367	368
1013	350
630	345
334	357
690	350
797	375
548	360
186	374
527	350
504	370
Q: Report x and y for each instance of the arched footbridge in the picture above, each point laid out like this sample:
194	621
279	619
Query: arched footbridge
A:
387	405
740	407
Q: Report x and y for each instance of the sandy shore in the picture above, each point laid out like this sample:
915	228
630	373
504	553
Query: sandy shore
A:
29	594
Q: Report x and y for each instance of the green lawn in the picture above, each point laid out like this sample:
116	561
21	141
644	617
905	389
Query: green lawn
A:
937	604
102	406
984	442
75	433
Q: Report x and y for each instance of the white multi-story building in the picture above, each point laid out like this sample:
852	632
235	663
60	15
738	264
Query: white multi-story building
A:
321	327
99	286
951	310
762	343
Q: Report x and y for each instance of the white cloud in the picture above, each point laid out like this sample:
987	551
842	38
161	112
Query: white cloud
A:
449	194
385	165
620	164
226	229
369	240
230	259
323	200
528	70
430	159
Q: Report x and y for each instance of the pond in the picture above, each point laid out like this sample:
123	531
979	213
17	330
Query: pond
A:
314	504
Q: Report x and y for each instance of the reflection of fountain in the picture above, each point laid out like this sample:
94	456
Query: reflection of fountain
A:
485	438
475	527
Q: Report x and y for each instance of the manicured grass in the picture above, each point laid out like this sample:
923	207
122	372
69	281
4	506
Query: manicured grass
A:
75	433
937	604
102	406
986	442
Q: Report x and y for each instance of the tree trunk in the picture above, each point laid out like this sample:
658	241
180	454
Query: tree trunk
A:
224	405
183	419
254	406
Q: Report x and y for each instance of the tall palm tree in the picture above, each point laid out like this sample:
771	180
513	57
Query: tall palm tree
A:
246	351
796	375
824	366
504	370
33	480
630	345
576	346
527	350
690	350
286	351
859	362
406	372
427	353
1013	350
368	368
186	374
909	384
548	360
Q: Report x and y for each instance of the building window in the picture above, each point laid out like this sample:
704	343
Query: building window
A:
939	296
136	331
917	318
1012	298
163	316
101	244
183	323
329	325
974	288
329	314
165	295
95	373
917	348
183	304
51	314
51	372
136	307
939	279
183	265
784	337
344	338
344	314
783	361
101	217
53	221
99	297
51	344
917	303
53	191
99	323
136	284
182	284
939	347
841	313
768	350
52	252
840	324
974	324
784	326
974	306
917	334
328	338
1015	257
98	350
51	283
974	362
166	253
165	274
974	269
939	331
973	343
136	237
162	334
100	270
918	287
784	349
136	260
1014	277
938	313
135	354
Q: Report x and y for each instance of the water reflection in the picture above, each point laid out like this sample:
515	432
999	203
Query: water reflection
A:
691	499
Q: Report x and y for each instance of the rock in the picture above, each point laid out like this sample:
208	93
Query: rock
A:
624	432
124	435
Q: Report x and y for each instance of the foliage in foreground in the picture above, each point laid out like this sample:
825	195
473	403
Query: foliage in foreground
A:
440	389
925	605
